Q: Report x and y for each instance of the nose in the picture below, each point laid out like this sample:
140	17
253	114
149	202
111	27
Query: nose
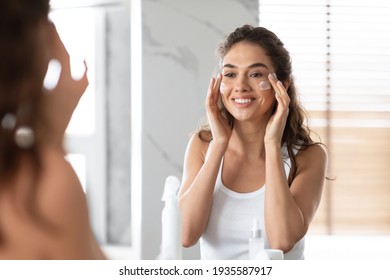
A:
241	84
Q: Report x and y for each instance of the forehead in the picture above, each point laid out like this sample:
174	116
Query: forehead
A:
245	53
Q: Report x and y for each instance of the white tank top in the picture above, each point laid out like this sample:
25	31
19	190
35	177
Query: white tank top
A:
227	234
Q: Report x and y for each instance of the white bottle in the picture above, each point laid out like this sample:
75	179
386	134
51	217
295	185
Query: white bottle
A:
171	241
256	243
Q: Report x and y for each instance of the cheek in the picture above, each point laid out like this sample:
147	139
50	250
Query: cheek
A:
225	87
265	90
267	97
264	85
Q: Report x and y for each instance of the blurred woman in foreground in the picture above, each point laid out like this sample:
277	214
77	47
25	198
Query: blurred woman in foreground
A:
43	209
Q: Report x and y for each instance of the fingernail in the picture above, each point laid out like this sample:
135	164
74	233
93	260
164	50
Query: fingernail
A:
77	67
272	76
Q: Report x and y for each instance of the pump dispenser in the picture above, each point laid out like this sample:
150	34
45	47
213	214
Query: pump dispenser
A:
256	243
171	245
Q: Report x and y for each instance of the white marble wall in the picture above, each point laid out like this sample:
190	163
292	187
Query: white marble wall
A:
117	29
179	42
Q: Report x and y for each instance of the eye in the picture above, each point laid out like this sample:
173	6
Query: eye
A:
229	75
257	75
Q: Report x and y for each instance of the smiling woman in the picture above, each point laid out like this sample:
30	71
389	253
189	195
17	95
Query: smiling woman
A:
255	159
239	74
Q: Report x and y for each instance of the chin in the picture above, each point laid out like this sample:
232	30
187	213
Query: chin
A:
242	118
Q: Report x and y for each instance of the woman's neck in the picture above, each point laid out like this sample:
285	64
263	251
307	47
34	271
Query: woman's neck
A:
248	139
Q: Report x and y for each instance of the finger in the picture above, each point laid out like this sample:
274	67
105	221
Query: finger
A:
217	84
216	89
58	48
280	90
84	82
273	80
210	91
86	71
86	66
211	87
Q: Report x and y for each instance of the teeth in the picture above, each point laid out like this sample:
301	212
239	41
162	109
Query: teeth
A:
243	101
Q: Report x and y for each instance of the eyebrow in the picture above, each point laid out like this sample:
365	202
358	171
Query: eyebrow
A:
254	65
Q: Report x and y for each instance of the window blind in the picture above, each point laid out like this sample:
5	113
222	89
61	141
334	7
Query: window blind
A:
341	64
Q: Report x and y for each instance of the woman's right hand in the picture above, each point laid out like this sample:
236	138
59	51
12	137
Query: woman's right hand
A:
219	125
62	100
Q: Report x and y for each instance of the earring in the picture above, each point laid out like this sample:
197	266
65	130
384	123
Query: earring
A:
8	122
24	137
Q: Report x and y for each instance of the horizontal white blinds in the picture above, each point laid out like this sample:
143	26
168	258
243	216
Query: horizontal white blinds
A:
358	48
301	26
341	62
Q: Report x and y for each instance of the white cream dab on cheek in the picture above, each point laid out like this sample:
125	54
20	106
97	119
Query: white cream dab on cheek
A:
264	85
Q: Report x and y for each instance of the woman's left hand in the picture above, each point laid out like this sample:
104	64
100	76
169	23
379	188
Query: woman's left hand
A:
277	122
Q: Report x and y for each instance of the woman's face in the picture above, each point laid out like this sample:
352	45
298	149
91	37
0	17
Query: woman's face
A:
245	88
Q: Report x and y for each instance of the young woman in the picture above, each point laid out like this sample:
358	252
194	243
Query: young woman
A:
43	209
255	159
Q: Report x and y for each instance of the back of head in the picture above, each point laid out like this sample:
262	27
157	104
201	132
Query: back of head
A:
22	71
18	37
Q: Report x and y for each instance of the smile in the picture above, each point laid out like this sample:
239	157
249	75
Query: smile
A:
243	101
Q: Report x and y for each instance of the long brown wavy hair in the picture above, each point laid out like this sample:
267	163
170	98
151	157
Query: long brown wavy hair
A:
296	135
22	70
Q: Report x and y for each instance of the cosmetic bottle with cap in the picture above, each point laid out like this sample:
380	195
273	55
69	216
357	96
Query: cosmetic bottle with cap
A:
256	243
171	241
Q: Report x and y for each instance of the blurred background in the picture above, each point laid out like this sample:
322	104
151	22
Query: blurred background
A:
149	65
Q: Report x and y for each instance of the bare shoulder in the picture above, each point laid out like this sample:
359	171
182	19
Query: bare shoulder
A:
313	155
63	203
312	165
308	182
197	147
193	161
58	227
